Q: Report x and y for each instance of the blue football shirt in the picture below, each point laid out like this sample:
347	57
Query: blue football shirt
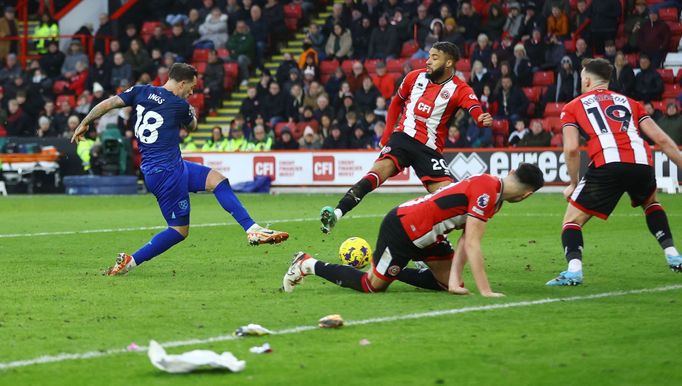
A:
158	114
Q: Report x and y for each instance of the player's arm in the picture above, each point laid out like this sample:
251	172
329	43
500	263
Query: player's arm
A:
470	102
472	247
572	155
392	114
668	146
193	124
456	283
100	109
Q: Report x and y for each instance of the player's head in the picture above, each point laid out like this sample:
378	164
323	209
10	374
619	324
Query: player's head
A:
522	182
442	59
596	73
184	78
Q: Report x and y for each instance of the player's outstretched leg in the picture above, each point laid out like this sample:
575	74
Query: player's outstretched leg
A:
345	276
159	244
572	240
657	222
255	233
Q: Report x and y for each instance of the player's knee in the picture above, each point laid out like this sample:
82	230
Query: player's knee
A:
385	168
213	180
182	230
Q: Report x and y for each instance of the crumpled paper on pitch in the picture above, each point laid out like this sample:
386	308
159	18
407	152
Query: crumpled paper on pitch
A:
189	361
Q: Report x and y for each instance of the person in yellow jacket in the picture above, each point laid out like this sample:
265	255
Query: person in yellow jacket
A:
186	141
217	142
45	32
237	142
84	148
261	141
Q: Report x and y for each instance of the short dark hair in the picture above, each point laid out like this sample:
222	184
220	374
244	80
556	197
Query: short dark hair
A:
182	71
530	175
450	49
599	67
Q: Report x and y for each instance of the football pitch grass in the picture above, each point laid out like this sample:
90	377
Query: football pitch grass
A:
54	299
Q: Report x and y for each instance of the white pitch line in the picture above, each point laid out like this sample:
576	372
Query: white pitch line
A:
295	330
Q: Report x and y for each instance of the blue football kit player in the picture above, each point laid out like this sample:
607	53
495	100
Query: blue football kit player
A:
159	112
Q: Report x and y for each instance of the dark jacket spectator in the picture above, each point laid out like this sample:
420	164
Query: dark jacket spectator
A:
521	67
100	72
74	55
495	24
286	141
581	21
275	104
537	137
653	39
671	123
362	31
366	96
360	139
358	73
157	40
535	49
634	22
469	22
648	83
335	140
623	77
192	25
383	42
180	44
104	31
511	101
251	105
18	124
605	16
139	59
213	80
52	61
121	73
422	23
258	26
514	20
482	51
479	78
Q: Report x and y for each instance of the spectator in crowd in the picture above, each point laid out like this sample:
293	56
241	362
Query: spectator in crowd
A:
275	105
52	61
633	24
383	81
72	123
47	30
217	142
514	20
295	103
339	44
284	68
45	128
357	75
213	81
623	77
469	22
610	51
114	48
537	137
192	24
18	123
186	141
129	34
671	123
326	124
286	141
335	140
310	67
347	105
205	8
557	23
581	21
651	111
512	102
535	48
260	30
479	77
261	141
366	97
648	82
214	28
567	84
359	139
157	40
103	33
581	53
520	131
377	132
505	49
10	71
383	43
8	28
313	92
78	81
521	67
482	51
121	73
75	54
380	111
180	43
361	30
422	24
316	39
653	39
234	12
242	47
530	21
554	51
487	103
495	23
273	13
310	140
455	138
139	59
435	35
323	108
336	17
605	16
451	33
99	72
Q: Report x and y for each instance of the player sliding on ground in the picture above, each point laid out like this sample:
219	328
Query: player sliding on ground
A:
620	162
417	230
427	99
160	112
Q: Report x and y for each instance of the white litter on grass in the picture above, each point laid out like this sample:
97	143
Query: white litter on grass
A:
192	360
252	329
265	348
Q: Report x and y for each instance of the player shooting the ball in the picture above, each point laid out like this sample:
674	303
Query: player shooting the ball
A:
417	230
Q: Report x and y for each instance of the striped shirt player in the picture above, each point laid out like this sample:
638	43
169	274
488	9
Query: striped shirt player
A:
418	230
620	162
425	103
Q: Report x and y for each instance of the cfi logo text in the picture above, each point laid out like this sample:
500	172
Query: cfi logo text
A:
483	200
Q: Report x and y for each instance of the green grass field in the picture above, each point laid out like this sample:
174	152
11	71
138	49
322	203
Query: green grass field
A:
54	299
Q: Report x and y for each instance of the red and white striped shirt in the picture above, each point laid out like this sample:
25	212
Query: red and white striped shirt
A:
611	123
429	106
428	219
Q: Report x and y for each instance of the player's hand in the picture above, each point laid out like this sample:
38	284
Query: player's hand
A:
78	134
459	291
569	191
486	119
492	294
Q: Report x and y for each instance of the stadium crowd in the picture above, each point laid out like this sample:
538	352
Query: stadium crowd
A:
523	60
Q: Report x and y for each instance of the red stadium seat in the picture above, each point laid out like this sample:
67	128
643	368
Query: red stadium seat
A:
553	109
671	91
532	93
633	60
68	98
674	43
328	66
291	23
569	45
60	86
293	11
200	55
557	140
669	14
395	65
464	64
530	111
223	53
501	126
552	124
200	84
371	64
200	66
228	82
408	49
324	78
418	63
675	27
396	75
197	100
666	74
148	27
347	66
543	78
231	69
280	126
